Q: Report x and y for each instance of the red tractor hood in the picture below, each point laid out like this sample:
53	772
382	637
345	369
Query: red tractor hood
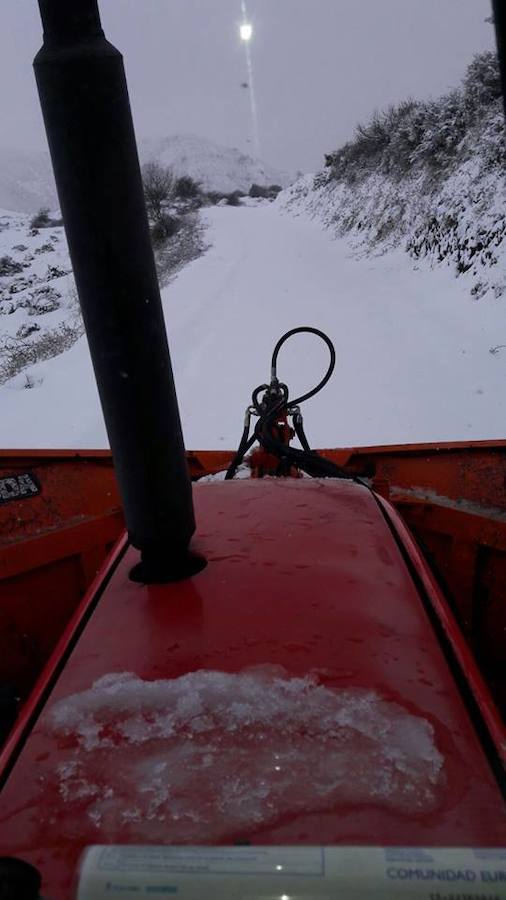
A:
305	687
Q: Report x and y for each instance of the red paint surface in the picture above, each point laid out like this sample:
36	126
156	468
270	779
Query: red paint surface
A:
302	574
451	495
461	651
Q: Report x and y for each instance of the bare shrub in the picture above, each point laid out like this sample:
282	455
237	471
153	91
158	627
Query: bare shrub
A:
214	197
187	244
164	228
41	218
17	353
265	192
187	188
159	186
234	198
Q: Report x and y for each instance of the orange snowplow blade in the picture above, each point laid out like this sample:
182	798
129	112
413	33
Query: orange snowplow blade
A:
60	514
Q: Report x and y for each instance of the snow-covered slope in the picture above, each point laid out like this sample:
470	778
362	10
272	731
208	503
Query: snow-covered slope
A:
414	353
27	183
26	180
39	311
425	177
217	168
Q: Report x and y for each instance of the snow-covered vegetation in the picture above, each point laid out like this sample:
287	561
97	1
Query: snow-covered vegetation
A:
39	312
38	300
40	315
172	205
427	176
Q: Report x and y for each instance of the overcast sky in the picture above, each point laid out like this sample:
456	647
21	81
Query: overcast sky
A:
320	66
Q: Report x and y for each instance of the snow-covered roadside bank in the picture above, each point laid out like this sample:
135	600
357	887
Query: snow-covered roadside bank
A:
37	291
413	348
423	176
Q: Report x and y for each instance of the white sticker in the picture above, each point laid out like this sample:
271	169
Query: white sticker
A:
292	873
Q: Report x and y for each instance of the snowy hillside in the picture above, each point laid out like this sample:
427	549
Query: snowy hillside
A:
26	180
427	177
27	183
39	310
216	167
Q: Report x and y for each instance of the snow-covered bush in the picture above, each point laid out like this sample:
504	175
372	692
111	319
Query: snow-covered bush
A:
266	192
482	83
9	266
233	199
159	187
420	135
21	284
185	245
165	227
55	272
187	188
9	304
41	219
24	331
16	353
44	300
427	176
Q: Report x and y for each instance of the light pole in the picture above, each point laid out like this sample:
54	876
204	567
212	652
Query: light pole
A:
246	34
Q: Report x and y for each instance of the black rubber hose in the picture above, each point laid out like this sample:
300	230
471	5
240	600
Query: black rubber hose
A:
244	445
299	431
306	329
310	462
306	459
280	387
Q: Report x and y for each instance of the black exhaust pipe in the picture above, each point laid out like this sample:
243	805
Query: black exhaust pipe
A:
499	16
83	93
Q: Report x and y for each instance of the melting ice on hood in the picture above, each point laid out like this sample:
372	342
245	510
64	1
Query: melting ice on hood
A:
212	753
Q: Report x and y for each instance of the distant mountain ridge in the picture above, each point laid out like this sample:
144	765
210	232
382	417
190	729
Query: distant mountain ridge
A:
27	183
26	180
216	167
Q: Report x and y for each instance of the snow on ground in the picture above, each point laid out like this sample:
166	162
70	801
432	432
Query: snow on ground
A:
413	349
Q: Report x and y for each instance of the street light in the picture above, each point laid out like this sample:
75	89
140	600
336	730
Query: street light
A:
246	31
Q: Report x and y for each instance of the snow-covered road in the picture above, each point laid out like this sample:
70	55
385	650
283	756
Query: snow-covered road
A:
412	346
